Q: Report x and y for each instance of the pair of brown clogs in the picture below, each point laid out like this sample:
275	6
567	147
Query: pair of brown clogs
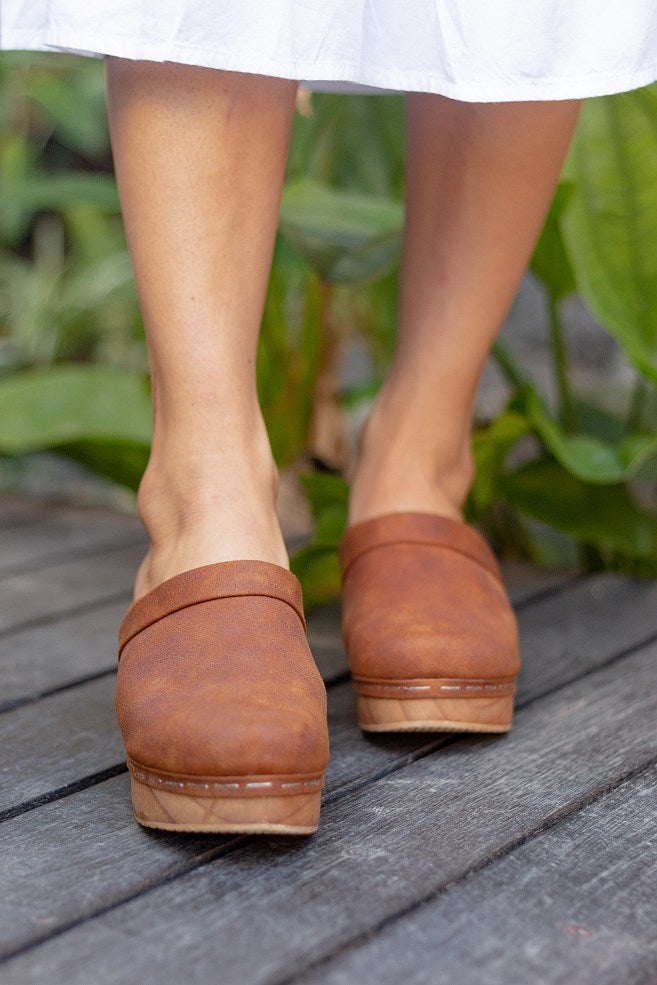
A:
221	706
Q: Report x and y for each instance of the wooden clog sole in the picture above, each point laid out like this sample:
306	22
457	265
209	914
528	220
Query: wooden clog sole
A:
247	805
435	714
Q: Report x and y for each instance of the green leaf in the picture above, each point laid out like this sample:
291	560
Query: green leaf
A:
491	446
120	461
35	192
328	497
345	236
606	517
65	404
318	569
288	353
610	224
550	262
16	161
317	565
73	102
56	192
590	457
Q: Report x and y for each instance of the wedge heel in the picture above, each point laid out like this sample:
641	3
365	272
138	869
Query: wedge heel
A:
435	714
286	814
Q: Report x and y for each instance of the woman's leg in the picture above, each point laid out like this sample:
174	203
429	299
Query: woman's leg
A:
200	159
479	180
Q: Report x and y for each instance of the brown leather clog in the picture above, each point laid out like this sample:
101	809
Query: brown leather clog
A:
221	706
429	630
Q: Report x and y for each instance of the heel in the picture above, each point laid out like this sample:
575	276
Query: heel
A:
435	714
292	814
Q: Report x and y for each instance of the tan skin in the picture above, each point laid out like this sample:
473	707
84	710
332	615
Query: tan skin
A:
200	159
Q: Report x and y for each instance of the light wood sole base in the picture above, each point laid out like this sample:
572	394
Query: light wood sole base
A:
291	814
435	714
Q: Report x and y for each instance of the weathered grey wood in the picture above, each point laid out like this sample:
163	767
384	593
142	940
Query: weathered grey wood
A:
41	658
73	733
72	641
558	634
270	908
45	657
566	633
525	581
80	853
56	741
34	841
17	510
66	586
44	737
59	533
575	904
73	646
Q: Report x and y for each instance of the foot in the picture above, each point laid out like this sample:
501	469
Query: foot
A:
200	508
408	464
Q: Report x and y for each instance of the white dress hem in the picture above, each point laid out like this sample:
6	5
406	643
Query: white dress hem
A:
343	76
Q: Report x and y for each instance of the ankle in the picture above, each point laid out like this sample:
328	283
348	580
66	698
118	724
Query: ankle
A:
179	494
217	504
404	465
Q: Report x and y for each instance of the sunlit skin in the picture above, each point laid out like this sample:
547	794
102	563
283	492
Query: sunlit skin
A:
200	159
479	181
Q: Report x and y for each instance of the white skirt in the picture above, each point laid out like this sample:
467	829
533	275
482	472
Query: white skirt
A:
474	50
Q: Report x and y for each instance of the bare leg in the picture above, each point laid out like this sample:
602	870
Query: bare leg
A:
479	181
200	159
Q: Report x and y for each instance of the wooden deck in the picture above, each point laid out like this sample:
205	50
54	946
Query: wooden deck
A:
526	859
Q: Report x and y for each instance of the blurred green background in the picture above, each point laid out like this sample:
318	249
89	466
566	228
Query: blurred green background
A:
565	473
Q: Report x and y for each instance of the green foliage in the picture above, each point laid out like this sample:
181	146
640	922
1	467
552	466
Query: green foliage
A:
607	517
98	414
289	352
347	237
316	565
611	224
73	364
591	454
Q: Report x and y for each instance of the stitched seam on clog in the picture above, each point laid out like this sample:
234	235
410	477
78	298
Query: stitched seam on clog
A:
456	689
228	786
210	598
423	543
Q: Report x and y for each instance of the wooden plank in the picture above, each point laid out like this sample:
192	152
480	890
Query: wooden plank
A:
47	657
67	586
37	837
270	908
42	658
56	741
525	581
58	533
562	636
81	644
71	647
16	510
72	734
325	639
21	510
574	904
41	740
